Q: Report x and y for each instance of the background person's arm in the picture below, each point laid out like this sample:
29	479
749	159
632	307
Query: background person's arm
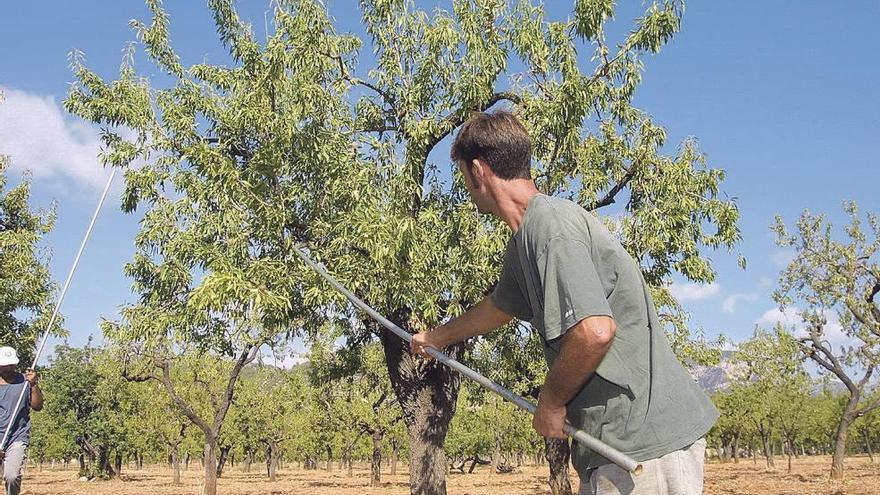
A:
36	394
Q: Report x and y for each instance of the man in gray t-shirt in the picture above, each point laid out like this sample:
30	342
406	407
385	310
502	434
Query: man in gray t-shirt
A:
612	371
18	419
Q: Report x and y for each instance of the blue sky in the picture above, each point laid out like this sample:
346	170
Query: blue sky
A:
783	97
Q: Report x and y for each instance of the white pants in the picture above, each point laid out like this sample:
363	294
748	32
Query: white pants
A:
12	463
676	473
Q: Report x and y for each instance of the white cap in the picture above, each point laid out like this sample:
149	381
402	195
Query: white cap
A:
8	356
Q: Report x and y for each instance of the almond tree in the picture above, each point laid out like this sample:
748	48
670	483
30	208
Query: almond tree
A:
837	276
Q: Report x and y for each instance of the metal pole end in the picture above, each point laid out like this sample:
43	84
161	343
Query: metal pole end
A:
637	470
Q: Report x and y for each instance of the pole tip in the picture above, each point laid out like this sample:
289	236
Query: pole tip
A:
637	470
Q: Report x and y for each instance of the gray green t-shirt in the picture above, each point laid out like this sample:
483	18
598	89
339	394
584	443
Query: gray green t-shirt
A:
562	266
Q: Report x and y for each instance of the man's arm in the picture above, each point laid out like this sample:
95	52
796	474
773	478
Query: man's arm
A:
583	348
36	394
479	320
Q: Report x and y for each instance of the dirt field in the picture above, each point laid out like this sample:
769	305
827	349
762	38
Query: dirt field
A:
809	476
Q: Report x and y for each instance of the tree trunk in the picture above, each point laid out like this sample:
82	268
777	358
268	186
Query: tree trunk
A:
840	437
210	463
376	465
118	463
395	450
329	458
496	456
868	445
735	445
768	449
104	466
788	452
427	392
221	462
558	454
272	459
248	460
175	465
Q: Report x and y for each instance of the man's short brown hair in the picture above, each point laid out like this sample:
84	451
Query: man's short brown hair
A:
500	140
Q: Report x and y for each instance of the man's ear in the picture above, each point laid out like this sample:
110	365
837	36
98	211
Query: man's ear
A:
479	171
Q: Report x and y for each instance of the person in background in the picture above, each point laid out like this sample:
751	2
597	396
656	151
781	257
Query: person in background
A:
12	384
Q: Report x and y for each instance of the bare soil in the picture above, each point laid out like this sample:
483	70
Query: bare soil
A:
809	476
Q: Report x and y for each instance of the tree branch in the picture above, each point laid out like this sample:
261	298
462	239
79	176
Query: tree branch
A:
875	311
609	197
187	411
246	357
831	364
343	70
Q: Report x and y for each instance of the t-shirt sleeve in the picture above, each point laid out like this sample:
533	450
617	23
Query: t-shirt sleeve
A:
571	284
508	293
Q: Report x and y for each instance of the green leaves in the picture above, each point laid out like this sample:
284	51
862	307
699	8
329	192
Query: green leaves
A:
590	15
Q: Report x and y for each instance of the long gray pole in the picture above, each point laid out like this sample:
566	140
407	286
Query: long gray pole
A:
13	412
591	442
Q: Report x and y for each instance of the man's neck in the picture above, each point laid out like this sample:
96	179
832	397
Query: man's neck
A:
10	378
512	201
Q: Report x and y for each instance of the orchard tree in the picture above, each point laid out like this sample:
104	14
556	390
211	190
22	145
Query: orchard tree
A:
358	383
837	277
733	426
779	382
87	406
268	403
772	386
220	151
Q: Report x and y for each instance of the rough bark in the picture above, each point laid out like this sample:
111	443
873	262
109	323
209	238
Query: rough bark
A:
497	458
849	415
735	447
558	453
376	464
272	455
427	392
395	450
175	466
768	449
210	465
221	460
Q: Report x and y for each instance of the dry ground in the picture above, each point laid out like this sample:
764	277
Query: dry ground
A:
809	476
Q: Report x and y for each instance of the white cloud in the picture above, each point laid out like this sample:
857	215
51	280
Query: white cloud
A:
789	317
730	302
38	135
693	292
782	257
